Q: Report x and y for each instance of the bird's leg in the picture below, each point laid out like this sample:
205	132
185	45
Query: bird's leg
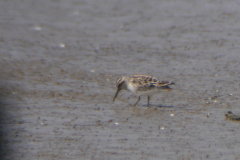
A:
148	101
137	101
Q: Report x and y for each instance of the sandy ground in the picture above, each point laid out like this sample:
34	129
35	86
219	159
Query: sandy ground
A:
60	60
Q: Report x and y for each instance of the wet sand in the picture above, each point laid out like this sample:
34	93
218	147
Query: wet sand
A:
60	61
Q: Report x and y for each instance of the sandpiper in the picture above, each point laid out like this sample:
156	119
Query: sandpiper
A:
142	85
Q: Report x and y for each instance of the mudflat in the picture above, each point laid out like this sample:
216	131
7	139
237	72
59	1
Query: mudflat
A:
60	59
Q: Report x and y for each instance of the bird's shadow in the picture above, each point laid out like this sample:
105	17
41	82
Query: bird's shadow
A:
159	106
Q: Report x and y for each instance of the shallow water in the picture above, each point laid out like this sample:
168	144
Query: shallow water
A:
60	61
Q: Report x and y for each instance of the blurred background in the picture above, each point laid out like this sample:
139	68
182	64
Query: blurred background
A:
60	60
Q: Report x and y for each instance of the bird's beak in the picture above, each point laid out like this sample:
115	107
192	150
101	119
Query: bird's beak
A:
118	89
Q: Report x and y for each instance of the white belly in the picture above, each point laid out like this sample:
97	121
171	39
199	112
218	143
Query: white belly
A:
134	89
